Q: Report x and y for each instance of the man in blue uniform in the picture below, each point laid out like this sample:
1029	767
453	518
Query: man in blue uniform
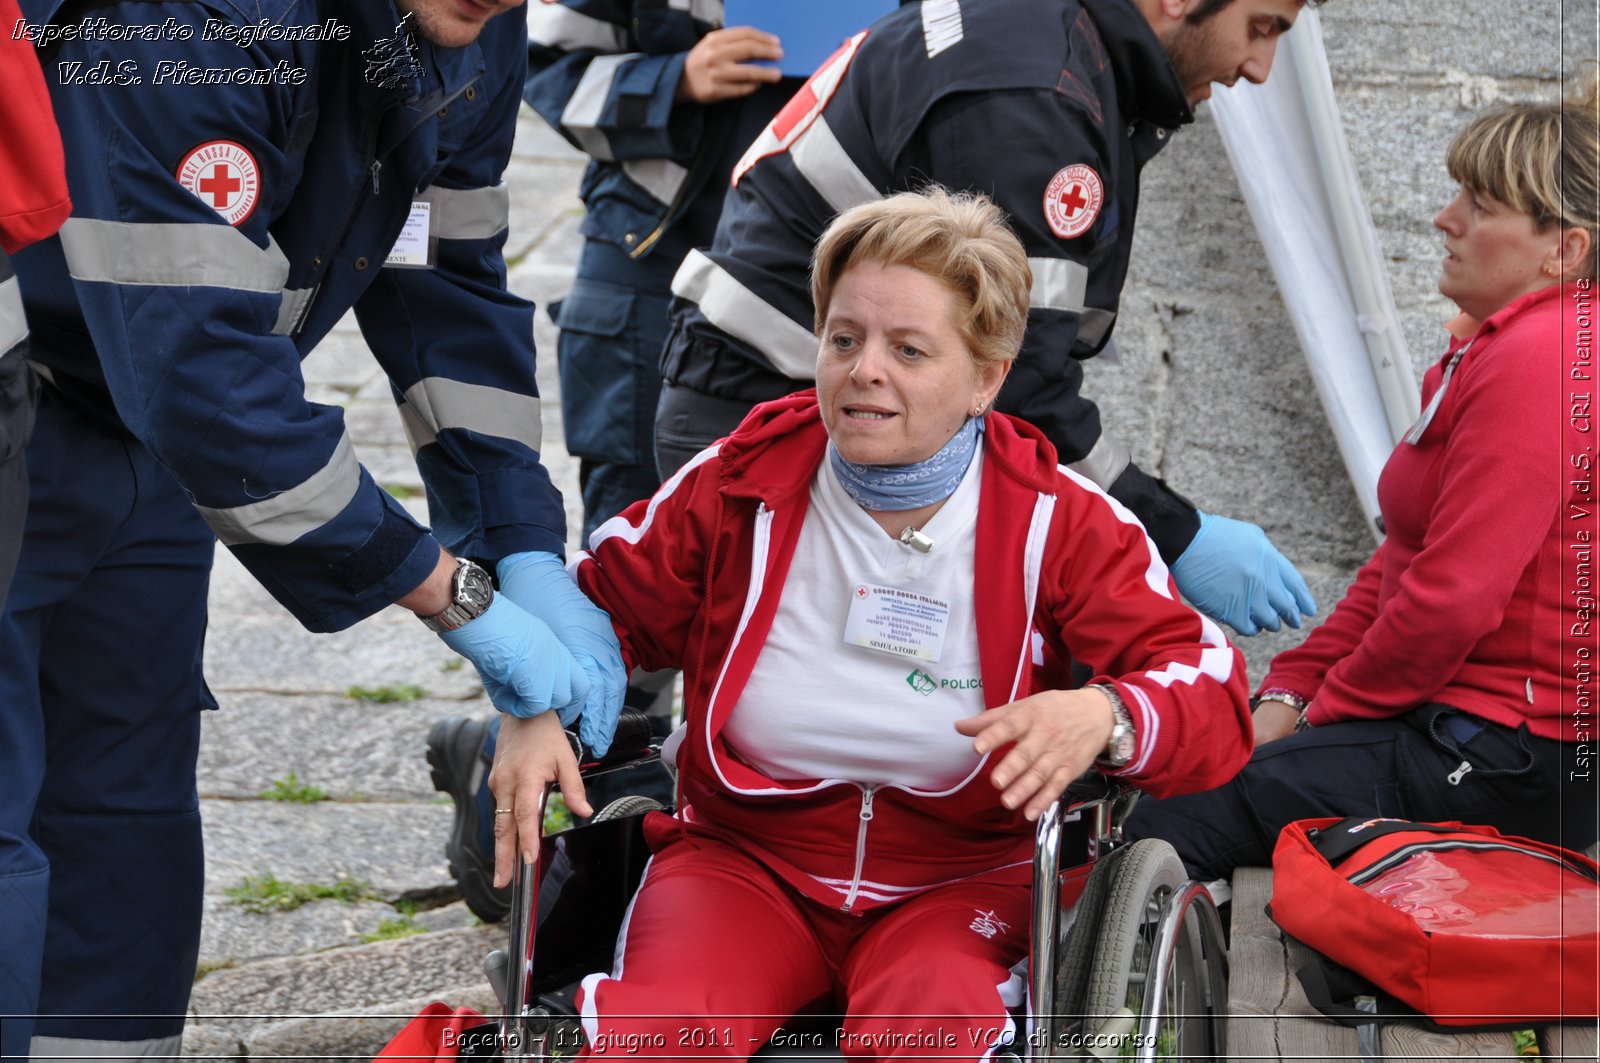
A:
33	204
1051	107
663	99
242	175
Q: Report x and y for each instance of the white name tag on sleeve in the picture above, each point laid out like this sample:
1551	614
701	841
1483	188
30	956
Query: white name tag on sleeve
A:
412	248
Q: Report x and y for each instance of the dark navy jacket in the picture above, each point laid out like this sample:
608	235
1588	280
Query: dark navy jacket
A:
1019	99
193	328
603	73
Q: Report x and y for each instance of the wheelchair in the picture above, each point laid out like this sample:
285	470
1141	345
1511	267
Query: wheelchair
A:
1135	969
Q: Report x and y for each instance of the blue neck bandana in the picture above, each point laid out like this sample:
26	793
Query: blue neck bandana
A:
893	487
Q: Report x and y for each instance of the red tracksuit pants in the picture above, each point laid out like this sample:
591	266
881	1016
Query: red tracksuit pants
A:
717	953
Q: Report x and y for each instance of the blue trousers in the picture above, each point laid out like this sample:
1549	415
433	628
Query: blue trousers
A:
1409	767
613	325
101	868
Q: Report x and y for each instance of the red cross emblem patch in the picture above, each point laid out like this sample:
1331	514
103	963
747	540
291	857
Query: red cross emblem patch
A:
224	176
1072	200
802	109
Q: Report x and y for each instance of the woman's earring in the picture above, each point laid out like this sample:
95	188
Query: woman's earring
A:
977	411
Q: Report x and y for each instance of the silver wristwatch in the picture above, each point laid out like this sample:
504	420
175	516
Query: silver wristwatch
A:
471	591
1119	747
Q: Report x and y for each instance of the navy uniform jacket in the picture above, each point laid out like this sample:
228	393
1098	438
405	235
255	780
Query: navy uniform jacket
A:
603	73
1051	107
219	231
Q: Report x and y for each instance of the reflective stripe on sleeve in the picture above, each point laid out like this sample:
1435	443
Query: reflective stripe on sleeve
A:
582	114
292	309
288	515
704	10
13	325
741	313
823	162
468	213
435	403
558	26
662	178
171	254
1058	284
1094	325
80	1050
1104	463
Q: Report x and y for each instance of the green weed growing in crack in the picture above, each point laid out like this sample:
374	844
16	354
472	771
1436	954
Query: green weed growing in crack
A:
205	967
391	929
390	694
267	893
291	788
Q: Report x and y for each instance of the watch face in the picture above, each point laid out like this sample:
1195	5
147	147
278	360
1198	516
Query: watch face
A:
1122	747
473	587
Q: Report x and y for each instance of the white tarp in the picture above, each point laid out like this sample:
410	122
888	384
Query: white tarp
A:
1293	163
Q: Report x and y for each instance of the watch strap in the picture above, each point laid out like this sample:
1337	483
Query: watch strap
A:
1120	746
463	607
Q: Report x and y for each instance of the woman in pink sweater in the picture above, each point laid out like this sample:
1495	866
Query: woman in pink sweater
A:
1456	680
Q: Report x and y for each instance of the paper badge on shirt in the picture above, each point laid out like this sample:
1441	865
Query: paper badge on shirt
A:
891	620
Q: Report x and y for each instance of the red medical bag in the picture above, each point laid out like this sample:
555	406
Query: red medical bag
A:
1467	926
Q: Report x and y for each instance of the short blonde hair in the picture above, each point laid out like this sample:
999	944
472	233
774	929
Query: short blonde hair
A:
1542	159
959	238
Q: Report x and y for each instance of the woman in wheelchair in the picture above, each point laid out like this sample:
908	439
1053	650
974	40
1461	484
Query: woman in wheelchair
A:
860	584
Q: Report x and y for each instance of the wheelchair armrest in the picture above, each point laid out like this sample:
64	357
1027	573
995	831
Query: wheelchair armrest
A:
630	742
1090	786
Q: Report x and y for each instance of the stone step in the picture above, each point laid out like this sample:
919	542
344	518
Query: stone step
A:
315	1000
397	849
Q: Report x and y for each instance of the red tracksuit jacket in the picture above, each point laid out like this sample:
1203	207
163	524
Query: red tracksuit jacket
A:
692	578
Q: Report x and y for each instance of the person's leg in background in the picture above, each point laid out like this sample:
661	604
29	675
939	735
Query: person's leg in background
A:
18	394
689	421
613	324
100	683
1400	768
1345	769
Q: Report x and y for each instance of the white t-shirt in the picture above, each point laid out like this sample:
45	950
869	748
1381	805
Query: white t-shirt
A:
820	707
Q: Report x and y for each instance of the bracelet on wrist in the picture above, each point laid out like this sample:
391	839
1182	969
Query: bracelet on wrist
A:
1288	697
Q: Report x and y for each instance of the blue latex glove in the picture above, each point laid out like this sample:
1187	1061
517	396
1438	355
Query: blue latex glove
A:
525	668
539	583
1232	572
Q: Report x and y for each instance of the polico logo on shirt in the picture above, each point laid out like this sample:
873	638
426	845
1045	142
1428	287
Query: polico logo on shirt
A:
925	684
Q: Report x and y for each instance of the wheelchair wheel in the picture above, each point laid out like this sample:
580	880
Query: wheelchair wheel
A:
1160	956
633	805
1075	958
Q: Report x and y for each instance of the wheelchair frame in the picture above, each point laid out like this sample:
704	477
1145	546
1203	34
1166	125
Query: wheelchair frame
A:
1168	936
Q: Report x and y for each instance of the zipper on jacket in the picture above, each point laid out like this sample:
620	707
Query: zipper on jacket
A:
344	225
861	847
673	208
374	166
1455	777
